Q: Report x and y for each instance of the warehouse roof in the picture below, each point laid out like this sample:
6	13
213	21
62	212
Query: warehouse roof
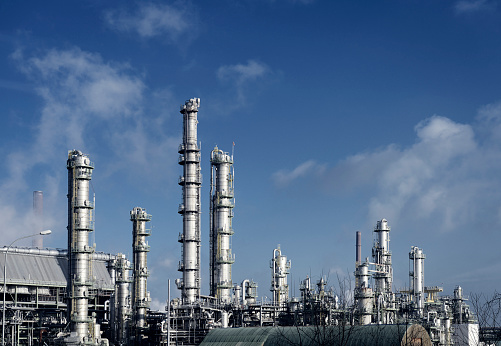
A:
44	267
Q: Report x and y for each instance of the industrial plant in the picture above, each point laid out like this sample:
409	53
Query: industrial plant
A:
78	296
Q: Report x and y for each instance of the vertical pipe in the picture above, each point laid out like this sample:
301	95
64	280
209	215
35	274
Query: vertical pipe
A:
141	303
80	224
122	307
190	208
358	256
417	277
38	215
222	203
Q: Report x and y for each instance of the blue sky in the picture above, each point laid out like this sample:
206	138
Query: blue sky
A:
342	113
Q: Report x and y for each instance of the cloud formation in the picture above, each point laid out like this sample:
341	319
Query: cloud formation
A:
151	20
448	177
285	177
470	6
85	100
241	77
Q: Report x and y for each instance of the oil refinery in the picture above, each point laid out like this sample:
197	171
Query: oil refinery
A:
78	296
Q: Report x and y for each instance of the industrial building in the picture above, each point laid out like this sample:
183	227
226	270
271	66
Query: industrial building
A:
76	296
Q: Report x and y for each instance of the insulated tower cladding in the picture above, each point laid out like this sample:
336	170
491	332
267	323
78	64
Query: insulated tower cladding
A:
190	208
141	301
80	223
221	214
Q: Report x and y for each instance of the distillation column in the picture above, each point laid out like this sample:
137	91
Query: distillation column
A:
190	208
141	301
416	278
122	304
221	214
364	297
80	223
383	273
382	258
280	268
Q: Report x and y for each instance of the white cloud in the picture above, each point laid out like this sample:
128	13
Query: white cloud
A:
242	73
448	178
85	101
242	79
154	20
469	6
285	177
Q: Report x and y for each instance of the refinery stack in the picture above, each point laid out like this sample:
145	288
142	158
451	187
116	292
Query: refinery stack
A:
84	297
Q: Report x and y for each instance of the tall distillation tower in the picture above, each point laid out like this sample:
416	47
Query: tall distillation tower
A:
140	298
383	271
280	268
221	214
121	302
416	278
80	223
190	208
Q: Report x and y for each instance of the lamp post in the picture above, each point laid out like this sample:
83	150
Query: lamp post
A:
47	232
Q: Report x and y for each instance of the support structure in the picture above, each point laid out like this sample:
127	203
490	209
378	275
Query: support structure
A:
140	296
191	181
280	268
80	224
221	230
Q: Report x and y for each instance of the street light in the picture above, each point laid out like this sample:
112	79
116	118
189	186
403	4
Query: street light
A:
46	232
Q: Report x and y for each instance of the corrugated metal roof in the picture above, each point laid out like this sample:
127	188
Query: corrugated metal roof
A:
47	269
387	335
237	336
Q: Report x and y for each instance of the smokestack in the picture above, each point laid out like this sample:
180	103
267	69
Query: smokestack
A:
38	214
359	248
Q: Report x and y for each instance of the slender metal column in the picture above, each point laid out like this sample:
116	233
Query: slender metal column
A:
141	301
221	215
80	224
280	268
190	208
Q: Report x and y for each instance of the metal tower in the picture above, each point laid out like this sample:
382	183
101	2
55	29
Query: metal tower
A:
416	278
80	223
280	268
141	300
38	215
381	255
383	273
190	208
221	214
122	304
